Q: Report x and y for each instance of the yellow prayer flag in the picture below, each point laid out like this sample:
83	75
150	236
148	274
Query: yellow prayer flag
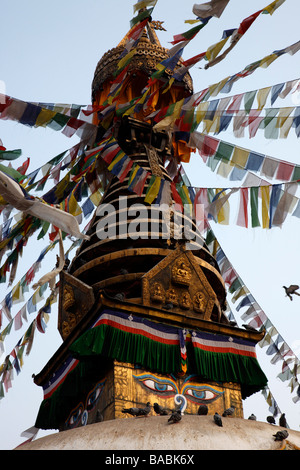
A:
266	61
262	96
223	213
132	176
171	81
126	58
265	204
224	169
153	190
17	293
192	21
285	127
273	6
74	207
44	117
201	111
143	4
116	160
214	50
96	198
239	157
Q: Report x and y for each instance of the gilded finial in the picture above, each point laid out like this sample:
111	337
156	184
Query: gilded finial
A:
158	25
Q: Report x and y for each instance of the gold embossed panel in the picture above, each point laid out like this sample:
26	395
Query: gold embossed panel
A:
178	283
75	300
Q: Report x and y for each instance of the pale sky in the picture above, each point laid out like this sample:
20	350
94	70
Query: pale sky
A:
49	53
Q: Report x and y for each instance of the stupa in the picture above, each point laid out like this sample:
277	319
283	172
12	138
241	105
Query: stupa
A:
142	304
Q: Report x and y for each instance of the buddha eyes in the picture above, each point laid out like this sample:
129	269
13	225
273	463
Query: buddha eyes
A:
202	394
159	386
80	413
75	416
93	396
167	388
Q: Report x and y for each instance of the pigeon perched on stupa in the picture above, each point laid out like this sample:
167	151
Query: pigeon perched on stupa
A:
175	417
229	412
252	417
135	411
271	420
282	421
218	419
281	435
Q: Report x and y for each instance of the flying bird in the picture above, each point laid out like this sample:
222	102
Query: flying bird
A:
203	410
159	410
281	435
291	290
218	419
282	421
229	412
175	417
271	419
135	411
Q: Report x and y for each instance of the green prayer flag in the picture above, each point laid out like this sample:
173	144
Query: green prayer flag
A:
58	121
11	172
224	151
254	206
296	173
248	100
10	154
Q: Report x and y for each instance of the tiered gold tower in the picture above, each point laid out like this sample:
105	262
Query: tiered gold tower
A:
142	317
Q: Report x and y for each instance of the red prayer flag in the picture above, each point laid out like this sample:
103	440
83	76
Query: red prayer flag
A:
243	209
247	22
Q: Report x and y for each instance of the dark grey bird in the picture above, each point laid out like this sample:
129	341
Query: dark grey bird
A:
291	290
282	421
218	419
271	420
135	411
175	417
249	327
252	417
281	435
229	412
146	410
203	410
159	410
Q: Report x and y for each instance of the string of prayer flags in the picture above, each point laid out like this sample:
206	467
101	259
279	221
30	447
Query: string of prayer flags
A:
239	158
16	295
34	115
14	360
236	34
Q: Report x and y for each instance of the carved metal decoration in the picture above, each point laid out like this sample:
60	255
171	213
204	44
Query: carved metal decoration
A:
187	290
75	300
